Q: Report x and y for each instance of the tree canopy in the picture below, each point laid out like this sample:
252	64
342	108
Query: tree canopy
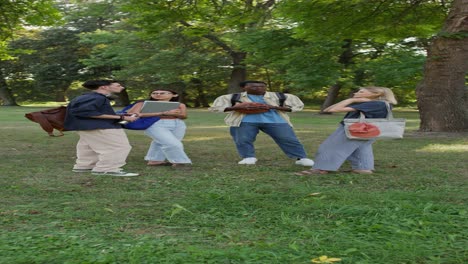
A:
320	50
20	13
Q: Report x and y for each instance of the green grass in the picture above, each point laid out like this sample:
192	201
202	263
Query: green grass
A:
412	210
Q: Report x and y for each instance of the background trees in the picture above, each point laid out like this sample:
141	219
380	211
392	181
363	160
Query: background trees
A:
19	13
321	49
364	32
15	15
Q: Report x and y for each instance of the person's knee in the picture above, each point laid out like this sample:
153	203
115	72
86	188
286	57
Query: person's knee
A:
244	141
172	145
125	148
290	141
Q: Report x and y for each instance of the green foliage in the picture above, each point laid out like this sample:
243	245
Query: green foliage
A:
359	19
412	210
19	13
296	46
88	16
202	16
377	31
153	62
399	69
294	62
53	64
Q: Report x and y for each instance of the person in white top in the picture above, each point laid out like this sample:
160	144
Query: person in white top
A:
167	133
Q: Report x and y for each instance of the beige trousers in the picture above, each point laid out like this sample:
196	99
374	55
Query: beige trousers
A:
102	150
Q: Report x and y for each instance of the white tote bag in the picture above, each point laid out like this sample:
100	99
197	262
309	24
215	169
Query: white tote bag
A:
363	128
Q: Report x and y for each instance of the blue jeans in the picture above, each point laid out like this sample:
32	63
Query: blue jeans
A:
167	135
282	133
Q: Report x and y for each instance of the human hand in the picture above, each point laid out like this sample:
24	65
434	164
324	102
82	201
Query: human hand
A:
251	105
125	119
174	112
280	108
131	118
251	108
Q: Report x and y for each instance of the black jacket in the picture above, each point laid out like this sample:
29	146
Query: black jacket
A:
81	108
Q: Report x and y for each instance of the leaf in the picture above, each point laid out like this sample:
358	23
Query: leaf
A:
177	210
325	259
109	210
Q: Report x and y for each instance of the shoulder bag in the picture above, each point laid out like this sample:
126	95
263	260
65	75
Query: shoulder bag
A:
141	123
50	119
363	128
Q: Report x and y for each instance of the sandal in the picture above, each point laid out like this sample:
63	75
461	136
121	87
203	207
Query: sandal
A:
311	172
158	163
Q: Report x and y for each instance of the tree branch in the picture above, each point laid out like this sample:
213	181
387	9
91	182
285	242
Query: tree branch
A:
212	38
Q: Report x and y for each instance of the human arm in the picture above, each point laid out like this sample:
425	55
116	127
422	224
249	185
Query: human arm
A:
249	107
224	104
129	118
95	106
180	112
136	110
221	103
281	108
291	104
343	106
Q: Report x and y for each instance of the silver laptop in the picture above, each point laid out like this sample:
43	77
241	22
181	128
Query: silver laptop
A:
158	106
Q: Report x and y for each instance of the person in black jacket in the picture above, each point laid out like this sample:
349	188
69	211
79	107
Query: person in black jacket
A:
103	146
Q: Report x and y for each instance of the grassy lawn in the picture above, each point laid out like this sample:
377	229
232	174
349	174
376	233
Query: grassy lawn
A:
412	210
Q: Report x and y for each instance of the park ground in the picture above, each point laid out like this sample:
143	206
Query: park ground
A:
412	210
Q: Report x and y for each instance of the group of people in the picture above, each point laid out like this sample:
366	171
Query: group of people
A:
103	146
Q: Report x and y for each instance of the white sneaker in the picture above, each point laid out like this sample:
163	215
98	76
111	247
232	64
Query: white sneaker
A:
82	170
305	162
248	161
116	173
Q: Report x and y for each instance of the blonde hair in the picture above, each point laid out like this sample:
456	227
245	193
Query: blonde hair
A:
382	93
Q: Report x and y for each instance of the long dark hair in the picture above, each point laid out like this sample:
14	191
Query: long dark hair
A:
173	99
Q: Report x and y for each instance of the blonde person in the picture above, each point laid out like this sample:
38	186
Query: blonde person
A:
337	148
167	133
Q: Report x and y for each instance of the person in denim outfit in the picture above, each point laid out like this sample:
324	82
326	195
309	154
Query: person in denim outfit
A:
244	128
167	133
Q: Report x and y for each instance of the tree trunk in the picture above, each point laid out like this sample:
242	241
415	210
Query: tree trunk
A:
332	94
6	97
442	92
60	96
201	100
346	58
239	72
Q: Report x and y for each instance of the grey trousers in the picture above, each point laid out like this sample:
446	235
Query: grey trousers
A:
337	148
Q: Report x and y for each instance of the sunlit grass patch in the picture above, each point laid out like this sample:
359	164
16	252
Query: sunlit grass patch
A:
434	148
